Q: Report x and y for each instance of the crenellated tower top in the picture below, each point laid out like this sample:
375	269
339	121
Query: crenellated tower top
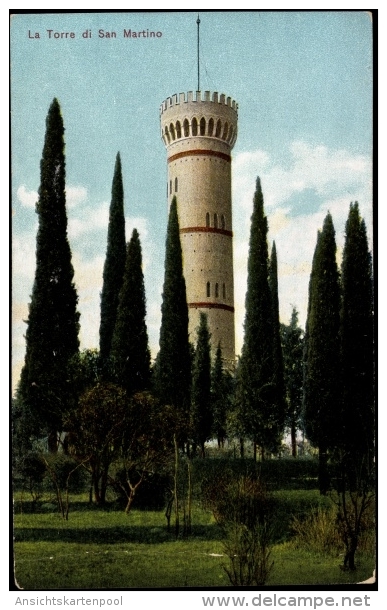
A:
199	114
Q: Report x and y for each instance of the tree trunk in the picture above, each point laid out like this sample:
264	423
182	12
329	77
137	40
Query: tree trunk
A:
52	441
349	559
293	437
323	477
242	448
175	491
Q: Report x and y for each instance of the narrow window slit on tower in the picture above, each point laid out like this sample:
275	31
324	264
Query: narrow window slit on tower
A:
176	185
207	219
208	289
217	290
222	222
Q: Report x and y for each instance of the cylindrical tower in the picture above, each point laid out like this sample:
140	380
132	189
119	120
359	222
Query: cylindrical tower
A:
199	135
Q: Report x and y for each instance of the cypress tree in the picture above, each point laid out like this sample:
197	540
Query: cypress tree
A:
114	266
173	366
202	416
220	396
53	320
256	392
322	371
357	340
280	404
130	352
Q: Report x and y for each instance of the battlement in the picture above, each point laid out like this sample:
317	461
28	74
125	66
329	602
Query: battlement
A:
196	96
199	114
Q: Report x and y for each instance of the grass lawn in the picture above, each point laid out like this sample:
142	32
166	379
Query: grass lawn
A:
106	549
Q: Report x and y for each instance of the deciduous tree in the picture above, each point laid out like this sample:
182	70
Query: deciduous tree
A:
292	348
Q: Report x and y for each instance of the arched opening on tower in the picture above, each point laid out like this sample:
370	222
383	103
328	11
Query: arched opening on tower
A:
225	131
211	127
186	128
203	126
172	130
178	130
194	127
218	128
167	134
230	133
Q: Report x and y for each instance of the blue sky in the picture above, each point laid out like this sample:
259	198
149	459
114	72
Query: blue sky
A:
303	82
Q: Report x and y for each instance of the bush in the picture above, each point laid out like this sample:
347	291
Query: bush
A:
243	509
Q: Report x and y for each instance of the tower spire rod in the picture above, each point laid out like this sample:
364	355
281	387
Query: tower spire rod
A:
198	22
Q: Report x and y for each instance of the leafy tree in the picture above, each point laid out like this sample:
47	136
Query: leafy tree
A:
130	352
202	416
53	321
256	390
146	446
357	341
279	383
322	369
292	347
172	371
96	431
114	266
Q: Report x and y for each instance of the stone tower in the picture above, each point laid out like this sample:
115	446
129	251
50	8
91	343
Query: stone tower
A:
199	134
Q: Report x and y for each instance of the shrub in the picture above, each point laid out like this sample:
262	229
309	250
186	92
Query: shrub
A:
242	508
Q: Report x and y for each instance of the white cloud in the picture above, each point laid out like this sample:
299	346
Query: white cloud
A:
88	220
75	195
27	198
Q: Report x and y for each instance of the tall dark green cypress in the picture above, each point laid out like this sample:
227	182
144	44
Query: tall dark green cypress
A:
130	357
53	320
256	391
221	391
278	362
201	415
322	368
114	266
357	340
172	371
